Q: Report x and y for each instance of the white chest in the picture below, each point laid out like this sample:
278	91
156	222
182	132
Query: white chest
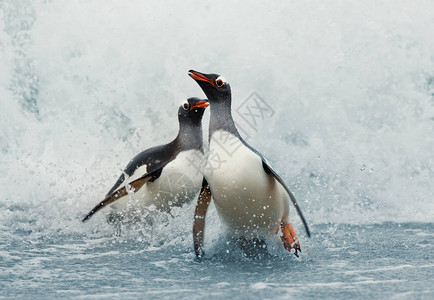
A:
246	197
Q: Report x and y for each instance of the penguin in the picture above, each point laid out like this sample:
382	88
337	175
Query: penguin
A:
167	175
250	197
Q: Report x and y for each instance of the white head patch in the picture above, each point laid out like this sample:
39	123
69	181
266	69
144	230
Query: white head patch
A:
184	104
221	78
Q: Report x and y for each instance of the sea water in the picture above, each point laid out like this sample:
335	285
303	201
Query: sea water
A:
338	96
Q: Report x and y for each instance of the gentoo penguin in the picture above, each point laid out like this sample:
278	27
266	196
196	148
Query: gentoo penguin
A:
250	197
165	175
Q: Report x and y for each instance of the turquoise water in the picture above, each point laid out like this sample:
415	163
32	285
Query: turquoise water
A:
84	86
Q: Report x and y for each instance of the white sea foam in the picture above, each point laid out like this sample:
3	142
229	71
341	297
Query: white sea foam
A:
84	86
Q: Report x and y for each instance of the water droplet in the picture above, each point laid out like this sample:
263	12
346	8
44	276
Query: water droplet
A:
363	167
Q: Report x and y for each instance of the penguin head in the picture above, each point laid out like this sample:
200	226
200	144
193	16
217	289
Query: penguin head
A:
215	86
192	110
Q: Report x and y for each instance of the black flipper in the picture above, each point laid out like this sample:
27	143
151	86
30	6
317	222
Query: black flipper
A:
269	170
136	184
154	159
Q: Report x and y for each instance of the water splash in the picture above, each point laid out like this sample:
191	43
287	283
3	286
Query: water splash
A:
19	18
351	87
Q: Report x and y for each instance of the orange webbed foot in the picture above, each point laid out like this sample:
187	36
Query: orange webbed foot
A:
289	238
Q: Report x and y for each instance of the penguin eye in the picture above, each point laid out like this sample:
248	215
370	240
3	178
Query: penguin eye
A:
219	82
186	106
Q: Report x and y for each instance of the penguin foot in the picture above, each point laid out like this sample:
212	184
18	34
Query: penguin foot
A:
289	239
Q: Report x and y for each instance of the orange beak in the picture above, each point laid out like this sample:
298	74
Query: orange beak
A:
200	77
201	104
